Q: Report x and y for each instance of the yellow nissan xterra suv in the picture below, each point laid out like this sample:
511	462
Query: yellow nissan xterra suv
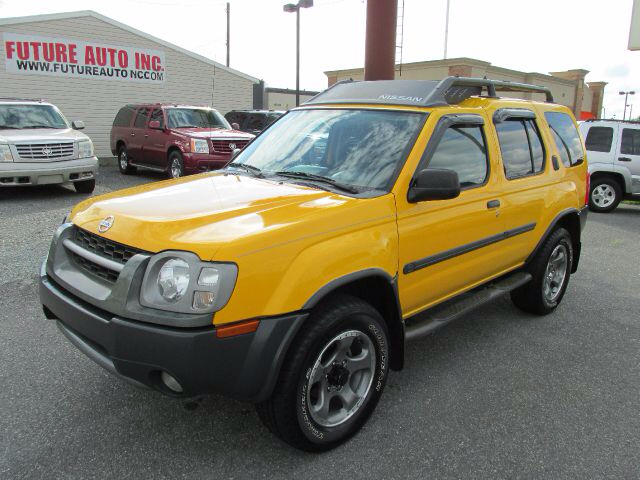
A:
370	216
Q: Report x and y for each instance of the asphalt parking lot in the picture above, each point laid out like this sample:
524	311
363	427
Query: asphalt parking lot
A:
499	394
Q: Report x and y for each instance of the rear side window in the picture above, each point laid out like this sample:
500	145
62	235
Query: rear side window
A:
123	118
599	139
256	121
521	147
141	118
566	137
630	141
463	150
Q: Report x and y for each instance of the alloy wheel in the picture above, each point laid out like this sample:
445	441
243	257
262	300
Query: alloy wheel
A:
555	273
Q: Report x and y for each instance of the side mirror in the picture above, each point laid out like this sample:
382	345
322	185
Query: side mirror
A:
77	124
154	125
434	184
235	126
234	153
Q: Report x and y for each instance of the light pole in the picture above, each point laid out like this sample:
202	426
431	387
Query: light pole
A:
626	94
291	8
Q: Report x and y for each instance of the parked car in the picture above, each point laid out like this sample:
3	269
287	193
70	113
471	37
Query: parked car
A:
38	146
614	161
253	121
293	277
176	139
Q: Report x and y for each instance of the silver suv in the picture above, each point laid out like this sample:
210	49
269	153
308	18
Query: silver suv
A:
39	147
613	149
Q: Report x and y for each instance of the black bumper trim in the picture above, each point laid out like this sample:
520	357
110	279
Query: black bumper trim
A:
244	367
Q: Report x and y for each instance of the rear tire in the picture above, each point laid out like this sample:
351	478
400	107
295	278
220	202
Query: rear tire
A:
332	377
85	186
123	162
605	195
551	269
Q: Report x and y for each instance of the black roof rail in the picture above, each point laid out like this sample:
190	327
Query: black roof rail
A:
422	93
635	122
23	99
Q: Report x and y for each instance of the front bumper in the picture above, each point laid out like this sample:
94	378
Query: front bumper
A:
243	366
200	162
45	173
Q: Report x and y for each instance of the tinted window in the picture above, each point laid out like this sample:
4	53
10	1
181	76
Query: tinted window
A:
256	122
123	118
566	137
630	141
357	147
141	118
462	149
157	115
537	150
599	139
235	117
514	146
196	118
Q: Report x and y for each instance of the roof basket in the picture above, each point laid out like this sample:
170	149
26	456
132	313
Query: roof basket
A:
423	93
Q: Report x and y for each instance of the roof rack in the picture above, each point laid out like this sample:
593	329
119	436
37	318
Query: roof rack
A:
423	93
635	122
23	99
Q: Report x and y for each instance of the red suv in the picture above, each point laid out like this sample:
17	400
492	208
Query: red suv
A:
177	139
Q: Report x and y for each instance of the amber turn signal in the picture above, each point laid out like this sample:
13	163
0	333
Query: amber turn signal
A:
237	328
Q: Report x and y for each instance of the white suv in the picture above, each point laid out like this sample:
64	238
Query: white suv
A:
613	148
38	146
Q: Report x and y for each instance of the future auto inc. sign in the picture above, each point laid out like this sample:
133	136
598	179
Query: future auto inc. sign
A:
28	54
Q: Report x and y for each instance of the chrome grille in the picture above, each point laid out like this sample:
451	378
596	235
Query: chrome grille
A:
105	248
225	146
45	151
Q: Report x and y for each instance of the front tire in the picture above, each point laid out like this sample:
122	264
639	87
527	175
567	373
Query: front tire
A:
332	377
551	269
123	162
605	195
176	165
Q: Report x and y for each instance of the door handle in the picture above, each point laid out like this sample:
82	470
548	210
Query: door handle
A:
624	159
146	135
133	134
493	204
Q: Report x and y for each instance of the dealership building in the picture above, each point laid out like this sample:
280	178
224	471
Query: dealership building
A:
90	65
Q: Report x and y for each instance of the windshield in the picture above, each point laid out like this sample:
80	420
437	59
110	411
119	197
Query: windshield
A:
31	116
362	148
196	118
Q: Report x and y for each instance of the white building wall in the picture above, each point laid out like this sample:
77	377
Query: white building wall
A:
96	102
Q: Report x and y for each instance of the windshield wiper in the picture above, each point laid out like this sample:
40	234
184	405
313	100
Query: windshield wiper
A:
7	127
41	126
255	171
318	178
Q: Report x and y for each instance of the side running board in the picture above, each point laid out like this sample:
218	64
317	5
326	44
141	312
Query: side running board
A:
427	322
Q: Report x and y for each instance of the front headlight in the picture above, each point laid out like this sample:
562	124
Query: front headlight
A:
5	154
85	149
181	282
199	145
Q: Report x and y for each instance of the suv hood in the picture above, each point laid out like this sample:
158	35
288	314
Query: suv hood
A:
219	215
37	134
213	133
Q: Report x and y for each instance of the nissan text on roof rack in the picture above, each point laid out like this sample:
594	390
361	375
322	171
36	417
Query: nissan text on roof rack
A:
372	215
614	161
38	146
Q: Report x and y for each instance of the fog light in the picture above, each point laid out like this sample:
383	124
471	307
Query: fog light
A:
202	300
170	382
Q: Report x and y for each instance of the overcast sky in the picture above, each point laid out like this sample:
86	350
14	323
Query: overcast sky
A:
540	36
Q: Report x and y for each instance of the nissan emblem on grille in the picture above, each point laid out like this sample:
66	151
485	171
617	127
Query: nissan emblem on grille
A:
47	151
232	146
106	224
